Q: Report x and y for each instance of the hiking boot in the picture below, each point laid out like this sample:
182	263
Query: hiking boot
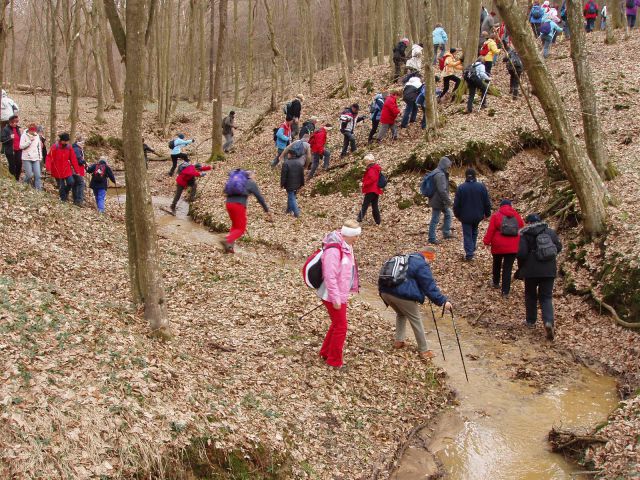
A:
173	210
530	325
548	327
428	355
435	242
398	345
505	295
495	285
468	259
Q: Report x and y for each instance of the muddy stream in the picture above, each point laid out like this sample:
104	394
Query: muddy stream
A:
499	427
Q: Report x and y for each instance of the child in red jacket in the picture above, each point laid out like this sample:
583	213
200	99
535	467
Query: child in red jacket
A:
187	174
390	112
371	188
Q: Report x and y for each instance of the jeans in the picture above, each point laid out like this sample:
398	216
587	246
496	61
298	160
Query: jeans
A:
539	290
436	47
14	159
77	191
326	155
64	187
374	129
435	220
228	137
277	159
32	171
469	239
423	122
407	310
591	23
503	264
446	80
101	196
174	161
349	141
370	198
292	204
631	21
384	128
238	215
547	40
410	114
472	93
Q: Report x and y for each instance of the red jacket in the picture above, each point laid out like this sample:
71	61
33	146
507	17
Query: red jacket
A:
500	244
189	173
590	15
370	180
61	162
390	110
318	140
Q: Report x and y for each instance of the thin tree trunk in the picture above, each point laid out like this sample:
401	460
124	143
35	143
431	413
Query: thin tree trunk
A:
253	4
380	31
202	54
275	59
342	54
113	76
3	37
582	175
212	41
429	75
12	63
473	29
95	49
192	66
72	48
236	56
52	34
350	36
216	123
371	15
413	24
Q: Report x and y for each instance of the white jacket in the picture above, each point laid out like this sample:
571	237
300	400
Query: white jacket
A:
7	107
31	147
415	61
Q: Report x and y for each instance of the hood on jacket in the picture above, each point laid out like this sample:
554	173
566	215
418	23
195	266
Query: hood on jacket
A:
534	228
375	166
333	237
444	164
416	50
414	82
507	210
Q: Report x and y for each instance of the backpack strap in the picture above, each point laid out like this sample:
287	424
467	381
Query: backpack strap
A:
334	245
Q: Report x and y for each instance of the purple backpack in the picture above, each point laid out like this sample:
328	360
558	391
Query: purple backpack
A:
237	183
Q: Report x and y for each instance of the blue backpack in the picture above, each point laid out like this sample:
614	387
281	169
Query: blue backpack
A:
237	183
428	184
545	28
420	99
537	12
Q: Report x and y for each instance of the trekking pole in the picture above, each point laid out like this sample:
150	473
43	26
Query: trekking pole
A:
486	91
453	322
310	312
437	331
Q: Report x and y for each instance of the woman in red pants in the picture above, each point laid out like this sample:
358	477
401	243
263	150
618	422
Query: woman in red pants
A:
340	275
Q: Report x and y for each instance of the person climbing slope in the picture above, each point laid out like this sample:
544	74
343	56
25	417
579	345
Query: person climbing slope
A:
371	188
77	192
10	138
318	143
435	186
187	174
399	58
452	67
375	109
282	137
389	115
440	39
176	145
349	119
31	147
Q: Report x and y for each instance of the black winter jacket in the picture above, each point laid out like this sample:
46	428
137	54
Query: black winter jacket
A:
528	264
295	108
5	138
292	175
100	183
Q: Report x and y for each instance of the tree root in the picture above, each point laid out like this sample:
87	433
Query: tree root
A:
570	443
601	303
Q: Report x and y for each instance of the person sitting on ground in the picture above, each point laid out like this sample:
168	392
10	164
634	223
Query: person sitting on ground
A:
440	40
309	127
10	138
452	69
504	238
340	278
406	297
77	192
240	185
515	69
8	109
101	173
538	249
476	81
297	155
399	58
409	95
282	137
349	119
371	189
176	151
471	205
187	174
228	126
415	62
488	51
61	162
440	201
318	143
389	115
31	156
294	110
376	112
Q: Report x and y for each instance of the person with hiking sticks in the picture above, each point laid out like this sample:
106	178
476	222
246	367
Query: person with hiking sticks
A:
349	119
373	183
451	69
339	280
282	137
435	186
176	145
239	186
101	173
389	116
318	143
298	156
399	58
476	76
293	109
440	39
187	174
61	163
503	237
471	205
535	17
515	68
405	281
538	250
10	138
228	126
77	192
590	12
375	109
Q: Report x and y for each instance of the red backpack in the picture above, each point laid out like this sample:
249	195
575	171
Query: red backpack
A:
442	61
100	172
485	49
312	268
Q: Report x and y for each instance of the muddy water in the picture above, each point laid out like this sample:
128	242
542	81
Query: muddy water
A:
498	430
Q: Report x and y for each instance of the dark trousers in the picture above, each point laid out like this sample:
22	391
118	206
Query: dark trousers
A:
536	29
447	80
398	69
591	23
180	189
539	291
174	161
349	140
78	190
631	21
503	264
65	185
14	159
374	129
370	199
514	84
488	66
469	239
482	87
410	114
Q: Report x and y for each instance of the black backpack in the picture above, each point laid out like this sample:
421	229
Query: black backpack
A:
286	108
470	75
275	135
546	250
514	63
394	271
509	226
172	144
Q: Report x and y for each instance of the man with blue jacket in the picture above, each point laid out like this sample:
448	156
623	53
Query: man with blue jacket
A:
376	111
404	299
471	205
176	152
440	40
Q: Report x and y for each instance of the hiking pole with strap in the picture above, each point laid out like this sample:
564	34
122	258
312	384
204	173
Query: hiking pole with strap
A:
484	96
310	312
437	331
453	322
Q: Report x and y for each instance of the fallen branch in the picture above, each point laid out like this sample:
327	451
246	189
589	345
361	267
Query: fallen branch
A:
609	308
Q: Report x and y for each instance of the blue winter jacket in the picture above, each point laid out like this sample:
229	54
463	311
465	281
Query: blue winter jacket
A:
472	202
439	36
419	283
178	143
377	107
281	139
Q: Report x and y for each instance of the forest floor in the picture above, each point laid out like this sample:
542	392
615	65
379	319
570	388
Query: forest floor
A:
86	393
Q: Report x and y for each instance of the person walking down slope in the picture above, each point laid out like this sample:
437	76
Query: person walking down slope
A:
471	205
101	173
440	201
282	137
389	115
187	175
61	162
371	189
399	58
340	278
535	17
10	138
349	119
8	109
590	12
77	192
410	95
440	39
514	69
318	143
476	76
537	253
176	145
376	112
504	238
31	148
406	297
228	126
548	31
631	12
415	62
451	71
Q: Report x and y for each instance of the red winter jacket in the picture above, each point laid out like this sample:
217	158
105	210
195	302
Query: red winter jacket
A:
318	140
586	9
61	161
189	173
500	244
370	180
390	110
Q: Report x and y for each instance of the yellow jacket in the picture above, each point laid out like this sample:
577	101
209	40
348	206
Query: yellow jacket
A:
493	50
452	66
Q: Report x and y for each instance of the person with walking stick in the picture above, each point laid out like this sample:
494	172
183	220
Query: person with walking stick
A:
403	283
475	75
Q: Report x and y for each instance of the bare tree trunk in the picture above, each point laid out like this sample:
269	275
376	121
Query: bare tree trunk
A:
95	49
236	56
413	24
212	41
583	177
12	62
216	122
202	54
275	59
305	8
429	76
52	34
350	36
610	37
473	31
253	4
588	100
381	39
371	15
192	64
72	29
3	37
342	54
113	76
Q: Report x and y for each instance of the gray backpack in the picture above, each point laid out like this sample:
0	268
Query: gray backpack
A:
546	250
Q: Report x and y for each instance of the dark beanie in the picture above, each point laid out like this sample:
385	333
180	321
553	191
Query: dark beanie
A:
470	173
232	113
533	218
64	137
505	202
181	136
